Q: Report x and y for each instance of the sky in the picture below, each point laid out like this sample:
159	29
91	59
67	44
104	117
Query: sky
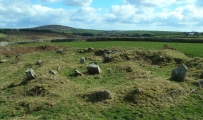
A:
160	15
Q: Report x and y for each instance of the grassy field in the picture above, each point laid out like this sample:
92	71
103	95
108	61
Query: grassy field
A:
67	96
189	49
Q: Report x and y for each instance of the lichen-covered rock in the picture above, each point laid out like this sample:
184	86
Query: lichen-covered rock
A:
179	73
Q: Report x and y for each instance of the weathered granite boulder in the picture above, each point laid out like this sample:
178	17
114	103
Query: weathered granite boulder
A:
82	60
30	74
93	69
179	73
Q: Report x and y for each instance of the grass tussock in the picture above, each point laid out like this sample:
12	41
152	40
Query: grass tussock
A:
156	93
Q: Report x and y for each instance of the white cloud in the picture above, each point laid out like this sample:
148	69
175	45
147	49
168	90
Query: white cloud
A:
85	14
49	1
150	3
159	3
178	15
78	2
129	14
17	14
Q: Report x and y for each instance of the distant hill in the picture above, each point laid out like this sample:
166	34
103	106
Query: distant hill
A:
53	27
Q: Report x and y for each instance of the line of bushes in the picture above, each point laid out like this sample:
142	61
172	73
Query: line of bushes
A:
148	39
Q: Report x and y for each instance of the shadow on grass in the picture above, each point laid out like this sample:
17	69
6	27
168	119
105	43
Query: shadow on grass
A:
12	85
96	96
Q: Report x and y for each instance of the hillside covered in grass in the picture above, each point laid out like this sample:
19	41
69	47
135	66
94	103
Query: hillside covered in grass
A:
136	81
55	32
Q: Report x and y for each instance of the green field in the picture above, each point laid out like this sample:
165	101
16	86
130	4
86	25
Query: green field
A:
66	96
189	49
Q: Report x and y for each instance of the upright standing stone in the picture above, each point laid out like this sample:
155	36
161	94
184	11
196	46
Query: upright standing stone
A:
179	73
93	69
30	74
82	60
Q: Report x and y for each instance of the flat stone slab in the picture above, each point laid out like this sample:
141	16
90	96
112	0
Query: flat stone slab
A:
3	60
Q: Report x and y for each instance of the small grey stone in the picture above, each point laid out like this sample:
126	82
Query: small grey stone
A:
52	72
3	60
78	73
106	94
39	62
60	51
138	90
30	74
58	68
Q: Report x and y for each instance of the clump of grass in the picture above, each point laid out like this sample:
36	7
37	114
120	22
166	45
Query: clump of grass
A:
31	105
37	90
156	93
